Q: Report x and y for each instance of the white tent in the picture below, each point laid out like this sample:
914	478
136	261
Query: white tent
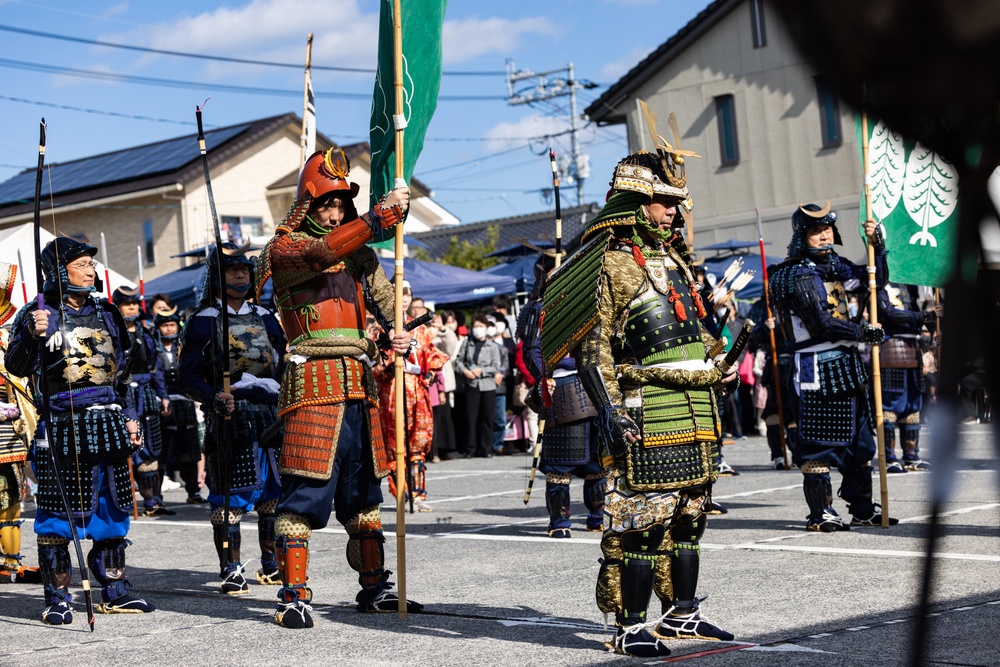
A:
22	237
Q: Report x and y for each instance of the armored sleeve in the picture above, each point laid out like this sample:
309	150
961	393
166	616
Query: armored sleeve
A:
901	319
595	357
380	294
22	348
196	355
159	384
809	302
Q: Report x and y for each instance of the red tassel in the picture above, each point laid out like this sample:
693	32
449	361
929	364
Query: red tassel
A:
697	302
637	254
679	309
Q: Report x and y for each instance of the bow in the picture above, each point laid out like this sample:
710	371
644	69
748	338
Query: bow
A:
43	387
221	433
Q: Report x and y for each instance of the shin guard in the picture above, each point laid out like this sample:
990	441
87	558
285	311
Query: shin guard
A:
684	562
889	430
856	490
593	499
639	547
55	567
292	534
365	553
557	503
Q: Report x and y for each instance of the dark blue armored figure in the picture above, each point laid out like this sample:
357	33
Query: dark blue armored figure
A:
571	444
902	371
234	449
149	395
85	357
834	430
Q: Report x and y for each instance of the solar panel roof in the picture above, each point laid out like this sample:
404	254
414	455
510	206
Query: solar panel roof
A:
124	165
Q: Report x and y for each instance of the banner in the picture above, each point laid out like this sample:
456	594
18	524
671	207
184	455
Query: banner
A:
422	23
310	116
914	194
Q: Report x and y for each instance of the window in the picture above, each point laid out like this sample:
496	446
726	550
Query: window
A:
829	114
757	24
149	241
240	227
725	115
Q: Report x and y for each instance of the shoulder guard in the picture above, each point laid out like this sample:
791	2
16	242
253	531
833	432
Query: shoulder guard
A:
569	305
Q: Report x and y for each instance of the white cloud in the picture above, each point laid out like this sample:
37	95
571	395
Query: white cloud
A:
268	30
469	38
614	70
508	135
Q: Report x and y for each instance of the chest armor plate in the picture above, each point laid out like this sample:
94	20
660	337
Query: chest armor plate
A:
88	355
662	321
836	296
142	363
329	301
250	349
168	363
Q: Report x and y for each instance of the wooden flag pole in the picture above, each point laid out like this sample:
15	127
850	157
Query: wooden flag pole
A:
305	103
400	412
873	318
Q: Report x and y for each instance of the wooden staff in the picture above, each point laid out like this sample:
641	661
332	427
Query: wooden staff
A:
774	345
873	318
401	463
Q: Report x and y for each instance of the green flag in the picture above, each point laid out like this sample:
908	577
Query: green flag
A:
914	194
422	21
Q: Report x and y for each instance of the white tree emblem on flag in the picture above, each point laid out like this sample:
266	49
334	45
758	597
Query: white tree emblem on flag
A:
886	169
931	192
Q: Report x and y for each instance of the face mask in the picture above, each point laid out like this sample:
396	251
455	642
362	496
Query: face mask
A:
501	327
852	308
479	333
491	331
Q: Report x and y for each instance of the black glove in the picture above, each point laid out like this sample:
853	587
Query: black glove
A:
928	317
872	335
621	424
219	405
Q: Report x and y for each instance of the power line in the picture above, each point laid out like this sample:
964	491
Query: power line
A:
117	114
201	56
153	81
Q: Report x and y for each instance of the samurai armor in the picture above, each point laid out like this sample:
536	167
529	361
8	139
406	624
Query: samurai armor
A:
899	352
310	443
828	385
90	435
80	484
12	447
569	310
324	381
569	444
570	402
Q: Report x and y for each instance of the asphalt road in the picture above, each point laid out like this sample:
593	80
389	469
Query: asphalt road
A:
500	592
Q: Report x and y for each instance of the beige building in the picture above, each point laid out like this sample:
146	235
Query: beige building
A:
769	133
151	201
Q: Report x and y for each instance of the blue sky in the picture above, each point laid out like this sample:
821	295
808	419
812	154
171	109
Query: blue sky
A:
483	157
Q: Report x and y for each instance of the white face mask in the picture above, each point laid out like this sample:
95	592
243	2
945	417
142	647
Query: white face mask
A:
479	333
852	308
491	331
501	327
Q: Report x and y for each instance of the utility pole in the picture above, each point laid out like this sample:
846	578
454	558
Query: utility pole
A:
547	87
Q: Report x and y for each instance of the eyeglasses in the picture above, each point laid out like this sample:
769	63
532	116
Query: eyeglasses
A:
83	266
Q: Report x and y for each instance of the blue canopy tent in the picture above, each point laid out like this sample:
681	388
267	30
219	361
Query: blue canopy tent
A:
449	285
521	269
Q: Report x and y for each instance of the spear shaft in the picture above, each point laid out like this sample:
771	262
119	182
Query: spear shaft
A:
873	318
774	345
222	433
